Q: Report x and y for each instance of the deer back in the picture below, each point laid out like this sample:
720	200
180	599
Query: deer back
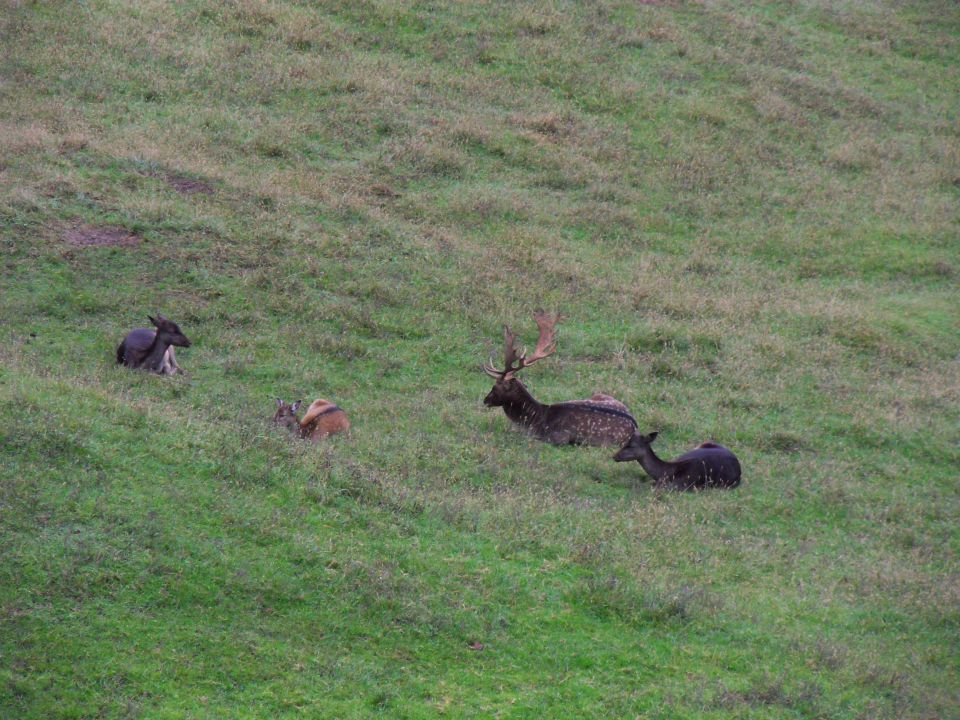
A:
588	422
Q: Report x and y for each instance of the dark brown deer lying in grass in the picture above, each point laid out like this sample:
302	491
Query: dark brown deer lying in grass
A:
706	466
153	349
601	420
322	418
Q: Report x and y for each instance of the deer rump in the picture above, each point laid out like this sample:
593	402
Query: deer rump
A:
322	419
135	346
708	466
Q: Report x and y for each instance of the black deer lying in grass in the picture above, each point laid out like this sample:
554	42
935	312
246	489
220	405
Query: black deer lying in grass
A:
601	420
153	349
706	466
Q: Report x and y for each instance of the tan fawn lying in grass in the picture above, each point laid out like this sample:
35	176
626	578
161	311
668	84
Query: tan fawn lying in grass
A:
322	418
601	420
706	466
153	349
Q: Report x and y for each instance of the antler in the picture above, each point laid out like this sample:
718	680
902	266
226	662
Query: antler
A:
546	346
547	342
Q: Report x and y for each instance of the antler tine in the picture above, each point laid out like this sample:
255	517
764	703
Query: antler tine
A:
509	356
547	342
511	353
490	370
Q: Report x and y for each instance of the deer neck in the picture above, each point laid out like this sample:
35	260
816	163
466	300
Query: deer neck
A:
523	408
292	423
655	467
302	430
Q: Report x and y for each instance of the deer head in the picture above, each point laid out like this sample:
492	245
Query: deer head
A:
286	415
169	332
636	447
515	359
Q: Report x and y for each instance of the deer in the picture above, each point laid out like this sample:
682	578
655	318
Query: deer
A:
153	349
600	420
321	419
708	465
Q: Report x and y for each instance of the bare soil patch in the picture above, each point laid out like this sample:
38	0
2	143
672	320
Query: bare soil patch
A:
188	186
103	236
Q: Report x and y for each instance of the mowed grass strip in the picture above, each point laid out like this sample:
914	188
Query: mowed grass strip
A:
748	214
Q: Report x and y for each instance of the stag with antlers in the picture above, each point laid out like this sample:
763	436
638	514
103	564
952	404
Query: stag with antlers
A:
601	420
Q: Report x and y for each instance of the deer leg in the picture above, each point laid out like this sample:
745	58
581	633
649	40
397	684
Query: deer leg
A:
170	366
166	367
173	361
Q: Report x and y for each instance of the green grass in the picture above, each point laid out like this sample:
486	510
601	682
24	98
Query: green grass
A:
749	214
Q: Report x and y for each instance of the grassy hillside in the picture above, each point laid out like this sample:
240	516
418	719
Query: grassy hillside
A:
750	215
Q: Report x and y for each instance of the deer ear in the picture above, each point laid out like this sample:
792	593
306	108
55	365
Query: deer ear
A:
296	405
279	402
151	319
653	436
